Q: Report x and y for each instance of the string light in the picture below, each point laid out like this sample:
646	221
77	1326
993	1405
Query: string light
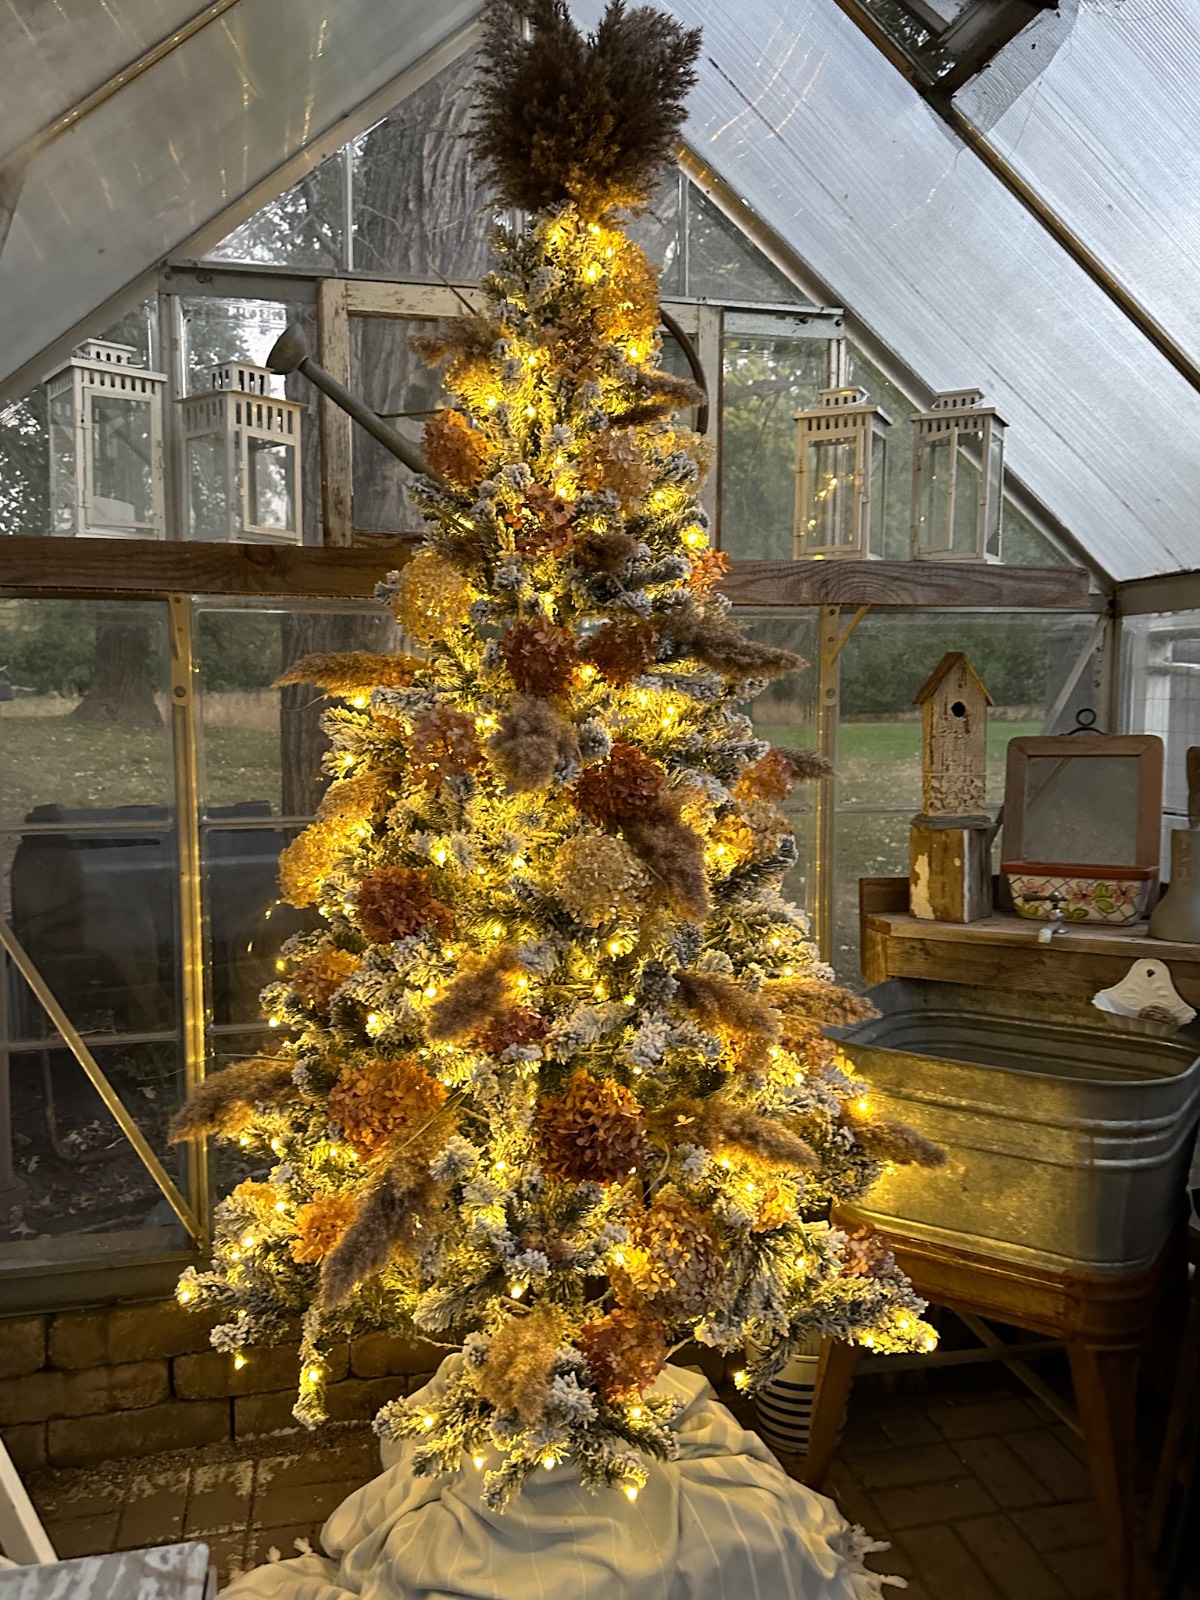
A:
239	1361
631	1491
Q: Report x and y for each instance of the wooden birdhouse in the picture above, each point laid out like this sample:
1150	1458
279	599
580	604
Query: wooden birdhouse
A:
950	859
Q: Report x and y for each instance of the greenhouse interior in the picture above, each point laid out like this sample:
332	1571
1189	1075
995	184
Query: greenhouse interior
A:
599	800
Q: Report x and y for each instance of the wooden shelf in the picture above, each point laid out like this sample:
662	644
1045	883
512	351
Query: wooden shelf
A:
1003	951
902	584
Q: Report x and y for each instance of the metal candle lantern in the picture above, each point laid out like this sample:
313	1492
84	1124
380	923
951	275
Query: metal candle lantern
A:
242	452
841	460
106	469
958	479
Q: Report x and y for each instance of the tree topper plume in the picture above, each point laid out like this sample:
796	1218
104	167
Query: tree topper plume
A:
588	120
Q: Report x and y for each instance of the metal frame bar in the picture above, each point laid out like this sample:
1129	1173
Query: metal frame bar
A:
194	999
116	1109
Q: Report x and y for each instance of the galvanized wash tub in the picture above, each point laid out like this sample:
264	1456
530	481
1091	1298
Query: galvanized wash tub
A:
1068	1136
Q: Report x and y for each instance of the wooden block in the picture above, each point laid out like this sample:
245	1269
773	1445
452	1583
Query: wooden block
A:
950	873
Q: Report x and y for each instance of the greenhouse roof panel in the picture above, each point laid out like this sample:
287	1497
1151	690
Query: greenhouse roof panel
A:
185	140
802	117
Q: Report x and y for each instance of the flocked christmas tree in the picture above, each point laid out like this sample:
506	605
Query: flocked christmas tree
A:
552	1086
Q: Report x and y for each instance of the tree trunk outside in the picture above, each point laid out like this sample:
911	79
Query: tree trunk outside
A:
121	688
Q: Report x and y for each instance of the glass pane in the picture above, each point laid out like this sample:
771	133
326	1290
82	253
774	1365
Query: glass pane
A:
86	727
723	265
659	230
247	921
765	381
829	515
786	714
260	748
208	487
84	1192
1160	693
303	228
271	487
397	383
122	462
867	845
25	437
95	908
422	208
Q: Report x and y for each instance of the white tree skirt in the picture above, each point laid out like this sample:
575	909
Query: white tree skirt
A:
720	1522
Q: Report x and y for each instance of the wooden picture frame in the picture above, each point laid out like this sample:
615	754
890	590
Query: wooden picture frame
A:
1134	791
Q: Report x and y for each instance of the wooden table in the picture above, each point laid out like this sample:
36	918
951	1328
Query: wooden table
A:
1003	952
1104	1320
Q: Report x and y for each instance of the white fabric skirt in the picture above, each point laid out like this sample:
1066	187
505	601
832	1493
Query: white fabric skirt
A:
720	1522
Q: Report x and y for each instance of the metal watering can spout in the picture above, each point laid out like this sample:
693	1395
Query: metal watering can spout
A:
289	353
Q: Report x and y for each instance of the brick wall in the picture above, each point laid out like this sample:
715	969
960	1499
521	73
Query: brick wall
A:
84	1386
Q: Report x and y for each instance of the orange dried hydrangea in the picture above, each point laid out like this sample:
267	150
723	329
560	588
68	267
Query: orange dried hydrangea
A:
320	1225
594	1132
318	977
618	787
455	449
626	1351
540	656
395	902
372	1102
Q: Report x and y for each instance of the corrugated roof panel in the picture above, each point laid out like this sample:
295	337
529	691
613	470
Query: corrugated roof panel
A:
186	139
839	155
1106	133
57	51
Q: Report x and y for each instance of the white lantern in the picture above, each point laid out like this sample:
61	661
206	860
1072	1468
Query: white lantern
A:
958	479
242	458
106	468
841	464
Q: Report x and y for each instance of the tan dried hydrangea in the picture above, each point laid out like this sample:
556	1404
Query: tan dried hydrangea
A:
320	1225
307	861
432	599
626	1351
373	1102
671	1267
598	878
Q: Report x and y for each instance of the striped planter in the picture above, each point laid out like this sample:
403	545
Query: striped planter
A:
783	1408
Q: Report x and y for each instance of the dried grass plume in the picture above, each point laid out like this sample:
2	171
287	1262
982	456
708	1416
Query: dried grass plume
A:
589	120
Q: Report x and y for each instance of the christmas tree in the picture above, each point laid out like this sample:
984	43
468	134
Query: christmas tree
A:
552	1087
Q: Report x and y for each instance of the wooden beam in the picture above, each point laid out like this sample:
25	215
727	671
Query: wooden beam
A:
1170	591
152	566
337	467
905	584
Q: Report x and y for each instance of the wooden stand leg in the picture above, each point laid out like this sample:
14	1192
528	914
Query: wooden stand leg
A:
1105	1382
835	1376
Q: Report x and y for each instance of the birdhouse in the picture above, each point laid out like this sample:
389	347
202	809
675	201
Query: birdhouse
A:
950	854
953	706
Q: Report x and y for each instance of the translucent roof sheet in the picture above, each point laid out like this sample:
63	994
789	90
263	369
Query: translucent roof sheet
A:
57	51
1106	133
800	115
174	148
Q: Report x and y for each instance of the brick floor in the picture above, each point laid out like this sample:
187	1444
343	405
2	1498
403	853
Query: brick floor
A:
980	1489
